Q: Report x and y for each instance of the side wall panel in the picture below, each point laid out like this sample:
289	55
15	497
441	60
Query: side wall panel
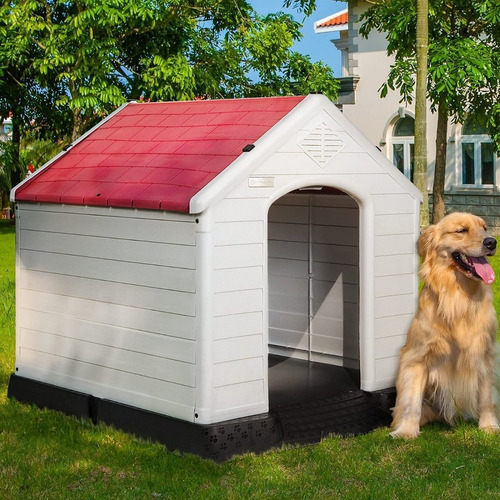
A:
106	304
396	281
239	356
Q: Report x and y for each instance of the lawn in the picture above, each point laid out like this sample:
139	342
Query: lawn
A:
46	455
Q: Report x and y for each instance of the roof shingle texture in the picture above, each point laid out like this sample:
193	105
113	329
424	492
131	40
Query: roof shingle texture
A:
335	20
156	155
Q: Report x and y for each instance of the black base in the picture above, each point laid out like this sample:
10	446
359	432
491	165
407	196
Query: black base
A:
354	412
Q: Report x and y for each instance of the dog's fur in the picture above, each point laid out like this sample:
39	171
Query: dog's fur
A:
448	365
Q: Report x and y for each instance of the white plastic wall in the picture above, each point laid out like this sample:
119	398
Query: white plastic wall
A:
106	303
169	312
387	218
314	278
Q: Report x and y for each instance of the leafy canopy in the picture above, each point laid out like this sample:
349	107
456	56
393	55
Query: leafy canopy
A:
93	55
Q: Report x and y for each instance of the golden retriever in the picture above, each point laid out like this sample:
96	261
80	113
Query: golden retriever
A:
448	365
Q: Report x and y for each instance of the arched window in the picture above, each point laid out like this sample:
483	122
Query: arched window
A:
477	156
402	141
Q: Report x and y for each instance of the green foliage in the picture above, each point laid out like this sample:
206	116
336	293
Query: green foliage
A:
464	48
99	53
34	150
65	65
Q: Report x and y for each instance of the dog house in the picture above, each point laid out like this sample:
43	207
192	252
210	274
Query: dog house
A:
175	254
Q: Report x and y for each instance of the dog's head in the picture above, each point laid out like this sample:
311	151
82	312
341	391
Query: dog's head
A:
460	241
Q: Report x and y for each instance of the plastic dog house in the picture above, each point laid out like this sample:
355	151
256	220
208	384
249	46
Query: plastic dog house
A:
169	251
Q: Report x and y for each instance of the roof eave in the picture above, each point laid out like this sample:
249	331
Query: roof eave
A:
331	29
328	29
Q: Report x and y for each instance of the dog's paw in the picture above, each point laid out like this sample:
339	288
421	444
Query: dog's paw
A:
495	429
488	422
405	432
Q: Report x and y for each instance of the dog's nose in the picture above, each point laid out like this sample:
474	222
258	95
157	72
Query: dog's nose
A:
490	243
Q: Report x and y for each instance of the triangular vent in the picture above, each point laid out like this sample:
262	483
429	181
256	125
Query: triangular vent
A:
321	144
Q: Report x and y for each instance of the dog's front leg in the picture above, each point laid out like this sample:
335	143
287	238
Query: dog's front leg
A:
488	420
410	386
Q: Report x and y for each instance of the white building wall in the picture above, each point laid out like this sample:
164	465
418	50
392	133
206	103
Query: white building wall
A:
373	115
106	303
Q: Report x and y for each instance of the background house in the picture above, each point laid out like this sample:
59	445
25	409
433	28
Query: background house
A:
473	169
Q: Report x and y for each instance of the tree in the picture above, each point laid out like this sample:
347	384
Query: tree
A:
104	52
70	63
463	65
24	97
420	172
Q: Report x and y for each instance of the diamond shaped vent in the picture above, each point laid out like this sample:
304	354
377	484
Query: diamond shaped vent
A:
321	144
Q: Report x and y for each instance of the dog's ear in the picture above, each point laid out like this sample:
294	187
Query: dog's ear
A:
426	241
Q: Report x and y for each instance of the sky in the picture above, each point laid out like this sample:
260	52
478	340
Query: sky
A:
317	46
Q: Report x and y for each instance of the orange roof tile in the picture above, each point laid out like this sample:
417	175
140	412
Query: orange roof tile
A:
334	20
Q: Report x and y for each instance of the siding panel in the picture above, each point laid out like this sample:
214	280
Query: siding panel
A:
105	291
112	249
171	278
234	256
239	395
109	335
238	325
104	382
153	230
174	325
132	362
107	305
246	278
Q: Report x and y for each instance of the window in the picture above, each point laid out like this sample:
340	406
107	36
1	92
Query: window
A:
477	156
7	127
402	141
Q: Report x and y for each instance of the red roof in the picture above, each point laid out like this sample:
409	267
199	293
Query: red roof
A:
334	20
155	155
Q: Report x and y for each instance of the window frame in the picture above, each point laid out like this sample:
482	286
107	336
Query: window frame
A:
477	140
407	141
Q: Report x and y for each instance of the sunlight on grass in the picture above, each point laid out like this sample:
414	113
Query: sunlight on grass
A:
47	455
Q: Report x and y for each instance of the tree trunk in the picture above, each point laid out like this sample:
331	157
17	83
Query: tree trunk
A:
78	125
420	168
15	174
440	168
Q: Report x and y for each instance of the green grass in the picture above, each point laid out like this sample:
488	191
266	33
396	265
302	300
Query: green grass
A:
46	455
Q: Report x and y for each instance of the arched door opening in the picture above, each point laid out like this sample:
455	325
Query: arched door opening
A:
313	276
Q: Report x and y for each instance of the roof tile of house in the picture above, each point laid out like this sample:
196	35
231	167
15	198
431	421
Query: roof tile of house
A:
334	20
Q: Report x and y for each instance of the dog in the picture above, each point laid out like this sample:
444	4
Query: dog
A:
448	366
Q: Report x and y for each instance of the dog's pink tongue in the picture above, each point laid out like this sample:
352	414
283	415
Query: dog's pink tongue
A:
483	269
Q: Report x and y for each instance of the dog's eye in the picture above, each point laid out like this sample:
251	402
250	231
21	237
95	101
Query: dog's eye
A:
462	230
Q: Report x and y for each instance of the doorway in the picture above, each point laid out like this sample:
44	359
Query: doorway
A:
313	273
